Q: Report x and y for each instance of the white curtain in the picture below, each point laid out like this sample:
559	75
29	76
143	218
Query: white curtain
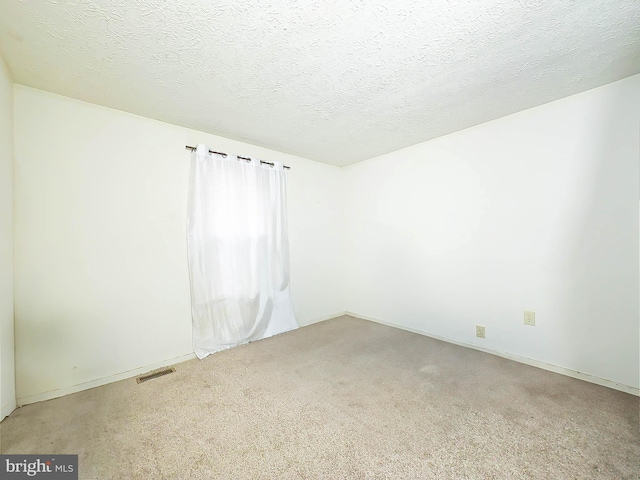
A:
238	251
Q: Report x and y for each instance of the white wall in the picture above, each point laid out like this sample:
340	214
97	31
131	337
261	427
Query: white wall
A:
536	211
532	211
7	364
102	286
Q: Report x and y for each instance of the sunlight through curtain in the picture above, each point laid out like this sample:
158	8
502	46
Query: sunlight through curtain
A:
238	251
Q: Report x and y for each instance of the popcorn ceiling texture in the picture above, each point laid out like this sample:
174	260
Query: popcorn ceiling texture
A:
333	81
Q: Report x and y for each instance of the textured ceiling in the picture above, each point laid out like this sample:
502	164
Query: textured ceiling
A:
334	81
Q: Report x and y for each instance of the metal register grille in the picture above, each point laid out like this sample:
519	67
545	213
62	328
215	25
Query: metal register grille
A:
151	376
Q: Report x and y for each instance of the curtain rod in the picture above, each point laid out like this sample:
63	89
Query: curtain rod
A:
188	147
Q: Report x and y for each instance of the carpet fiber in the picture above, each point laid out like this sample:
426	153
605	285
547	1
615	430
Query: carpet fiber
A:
345	398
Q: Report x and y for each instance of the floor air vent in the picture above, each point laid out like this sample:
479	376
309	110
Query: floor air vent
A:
151	376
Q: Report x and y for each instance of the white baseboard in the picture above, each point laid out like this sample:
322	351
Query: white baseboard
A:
517	358
6	410
39	397
322	319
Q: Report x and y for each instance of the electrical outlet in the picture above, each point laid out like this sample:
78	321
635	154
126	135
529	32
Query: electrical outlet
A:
530	318
479	331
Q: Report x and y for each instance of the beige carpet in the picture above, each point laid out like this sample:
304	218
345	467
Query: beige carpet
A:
344	398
